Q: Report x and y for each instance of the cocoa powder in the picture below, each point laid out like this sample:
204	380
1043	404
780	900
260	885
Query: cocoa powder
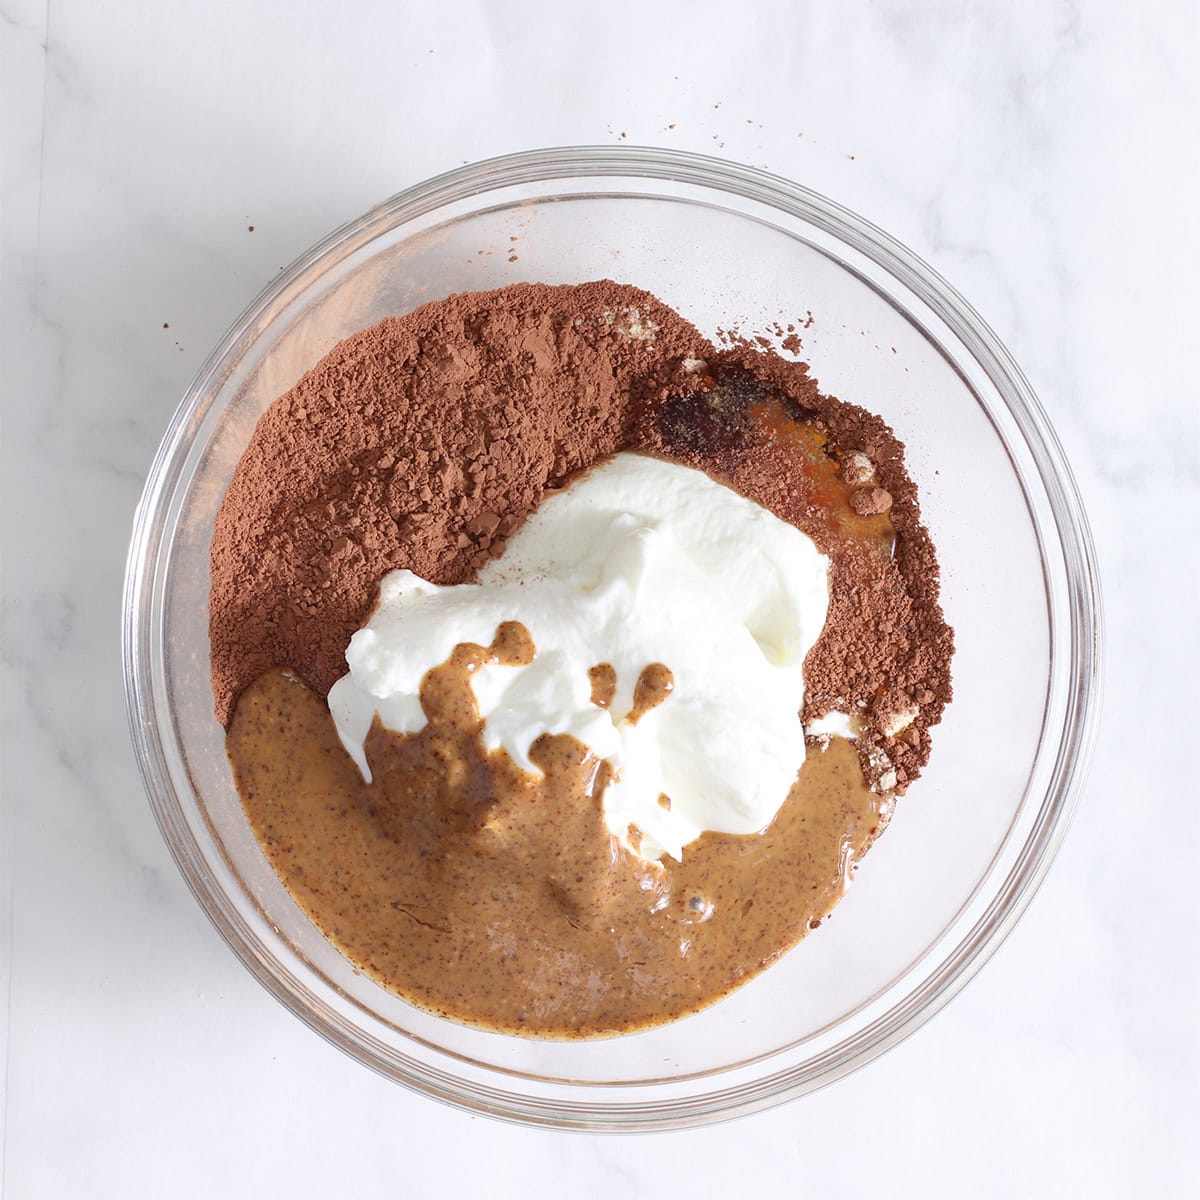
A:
422	443
425	441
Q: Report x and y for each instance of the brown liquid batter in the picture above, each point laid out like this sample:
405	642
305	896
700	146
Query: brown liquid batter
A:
603	677
484	894
655	683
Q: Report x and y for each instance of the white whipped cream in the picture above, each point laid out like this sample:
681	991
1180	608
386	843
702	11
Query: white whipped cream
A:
832	724
637	562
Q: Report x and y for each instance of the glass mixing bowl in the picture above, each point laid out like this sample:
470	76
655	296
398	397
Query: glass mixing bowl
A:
723	244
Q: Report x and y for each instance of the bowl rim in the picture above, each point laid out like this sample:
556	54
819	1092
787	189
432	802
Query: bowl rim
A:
1083	600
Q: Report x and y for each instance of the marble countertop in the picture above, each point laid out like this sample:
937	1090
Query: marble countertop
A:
1040	155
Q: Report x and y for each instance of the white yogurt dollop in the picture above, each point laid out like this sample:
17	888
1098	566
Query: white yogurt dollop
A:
637	562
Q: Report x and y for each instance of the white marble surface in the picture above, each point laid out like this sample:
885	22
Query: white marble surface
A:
1041	154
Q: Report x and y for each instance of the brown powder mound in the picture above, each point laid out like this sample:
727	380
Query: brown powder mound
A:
421	443
425	441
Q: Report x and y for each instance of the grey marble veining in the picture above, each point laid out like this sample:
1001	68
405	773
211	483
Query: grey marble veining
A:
1041	156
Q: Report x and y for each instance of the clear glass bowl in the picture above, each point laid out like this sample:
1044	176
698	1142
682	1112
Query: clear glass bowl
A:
968	846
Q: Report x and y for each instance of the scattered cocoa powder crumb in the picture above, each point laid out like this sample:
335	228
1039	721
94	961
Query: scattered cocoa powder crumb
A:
736	338
792	343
